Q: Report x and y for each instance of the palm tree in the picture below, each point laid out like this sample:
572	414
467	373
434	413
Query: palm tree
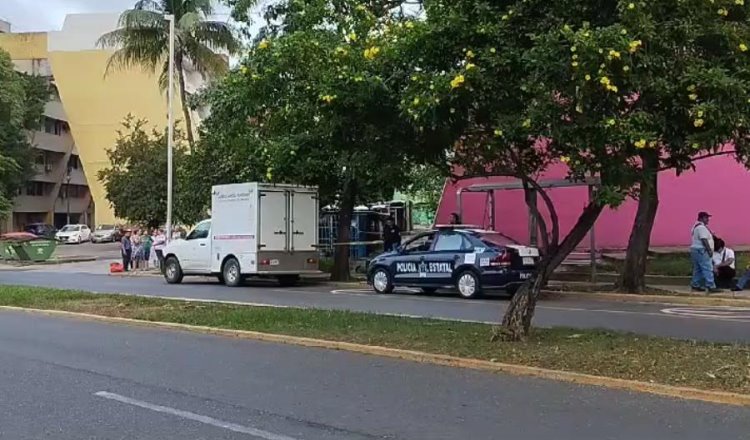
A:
142	39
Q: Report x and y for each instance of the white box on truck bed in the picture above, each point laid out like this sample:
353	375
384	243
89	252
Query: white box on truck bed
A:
255	229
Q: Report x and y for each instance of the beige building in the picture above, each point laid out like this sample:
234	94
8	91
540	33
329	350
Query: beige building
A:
82	119
58	192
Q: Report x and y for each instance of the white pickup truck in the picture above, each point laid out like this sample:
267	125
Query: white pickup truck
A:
255	230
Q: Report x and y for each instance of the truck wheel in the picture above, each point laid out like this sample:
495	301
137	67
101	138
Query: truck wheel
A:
172	271
288	280
231	273
468	285
382	281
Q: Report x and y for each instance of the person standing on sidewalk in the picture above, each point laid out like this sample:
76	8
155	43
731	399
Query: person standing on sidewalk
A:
126	249
701	253
160	241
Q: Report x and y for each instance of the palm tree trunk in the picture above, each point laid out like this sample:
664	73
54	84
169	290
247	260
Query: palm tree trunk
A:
183	99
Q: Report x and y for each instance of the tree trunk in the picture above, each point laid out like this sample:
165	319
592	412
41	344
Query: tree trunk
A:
185	106
633	277
340	271
517	320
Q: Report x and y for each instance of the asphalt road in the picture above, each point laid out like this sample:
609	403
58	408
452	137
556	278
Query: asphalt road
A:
653	319
68	379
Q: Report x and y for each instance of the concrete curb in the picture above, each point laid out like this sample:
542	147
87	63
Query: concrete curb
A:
719	397
649	299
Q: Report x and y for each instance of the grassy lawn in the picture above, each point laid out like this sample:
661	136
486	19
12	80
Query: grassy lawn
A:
605	353
675	264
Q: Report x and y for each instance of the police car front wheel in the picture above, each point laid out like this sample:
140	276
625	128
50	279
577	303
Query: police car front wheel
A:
468	286
382	281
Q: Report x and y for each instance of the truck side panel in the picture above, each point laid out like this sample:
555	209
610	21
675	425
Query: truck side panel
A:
234	225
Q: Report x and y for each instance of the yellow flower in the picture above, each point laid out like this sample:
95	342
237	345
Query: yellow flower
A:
505	17
624	32
493	50
361	8
263	44
269	174
641	143
625	68
652	144
696	146
470	54
471	66
565	159
691	88
743	47
416	101
574	64
693	97
526	123
372	52
587	77
255	77
575	56
613	54
739	2
243	69
409	25
341	51
631	6
573	48
359	78
700	113
458	81
611	122
579	108
352	36
698	123
722	12
612	88
328	98
498	132
634	45
604	81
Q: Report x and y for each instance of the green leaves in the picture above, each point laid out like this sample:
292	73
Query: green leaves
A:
22	100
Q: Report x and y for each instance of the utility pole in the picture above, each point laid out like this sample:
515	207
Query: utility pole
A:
170	124
67	194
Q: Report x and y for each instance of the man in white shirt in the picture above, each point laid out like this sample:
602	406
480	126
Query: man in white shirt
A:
724	265
701	253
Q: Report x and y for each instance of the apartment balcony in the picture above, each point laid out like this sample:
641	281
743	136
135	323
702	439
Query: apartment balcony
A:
77	177
26	203
55	110
52	142
77	204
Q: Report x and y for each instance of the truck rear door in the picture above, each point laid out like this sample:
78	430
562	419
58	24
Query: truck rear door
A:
304	221
274	220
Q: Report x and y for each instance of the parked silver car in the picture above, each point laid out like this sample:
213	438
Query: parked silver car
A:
106	233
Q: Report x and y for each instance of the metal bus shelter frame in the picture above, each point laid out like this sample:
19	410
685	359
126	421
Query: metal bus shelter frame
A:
592	183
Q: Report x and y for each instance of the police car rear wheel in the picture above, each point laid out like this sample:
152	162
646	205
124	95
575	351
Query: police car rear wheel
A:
468	285
381	281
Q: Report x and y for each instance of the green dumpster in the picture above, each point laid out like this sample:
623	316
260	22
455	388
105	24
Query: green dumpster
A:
35	250
26	247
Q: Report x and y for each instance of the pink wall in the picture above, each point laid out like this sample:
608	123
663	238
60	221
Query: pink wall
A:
719	185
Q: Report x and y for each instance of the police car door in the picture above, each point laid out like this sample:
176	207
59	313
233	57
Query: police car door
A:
408	267
449	252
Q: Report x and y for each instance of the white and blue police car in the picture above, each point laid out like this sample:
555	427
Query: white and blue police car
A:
467	259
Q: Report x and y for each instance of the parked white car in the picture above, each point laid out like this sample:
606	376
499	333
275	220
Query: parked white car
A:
76	234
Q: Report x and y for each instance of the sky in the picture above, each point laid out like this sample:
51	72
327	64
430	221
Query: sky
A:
47	15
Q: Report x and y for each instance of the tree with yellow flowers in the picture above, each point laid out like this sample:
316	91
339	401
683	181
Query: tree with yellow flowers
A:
315	101
616	90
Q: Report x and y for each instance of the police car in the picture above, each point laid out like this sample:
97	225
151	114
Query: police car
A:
471	260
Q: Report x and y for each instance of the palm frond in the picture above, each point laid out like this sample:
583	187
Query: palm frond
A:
148	5
139	18
217	35
189	21
204	60
145	48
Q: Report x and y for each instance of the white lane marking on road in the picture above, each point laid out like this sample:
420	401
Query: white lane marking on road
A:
265	435
736	314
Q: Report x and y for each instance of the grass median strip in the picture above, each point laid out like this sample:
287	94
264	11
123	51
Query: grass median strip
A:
724	367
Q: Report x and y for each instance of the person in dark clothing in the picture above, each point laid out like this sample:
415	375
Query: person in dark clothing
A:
391	235
126	248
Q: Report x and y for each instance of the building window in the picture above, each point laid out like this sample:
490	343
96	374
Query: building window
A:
55	126
73	162
35	189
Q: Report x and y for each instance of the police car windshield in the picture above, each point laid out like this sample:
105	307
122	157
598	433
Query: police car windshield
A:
494	239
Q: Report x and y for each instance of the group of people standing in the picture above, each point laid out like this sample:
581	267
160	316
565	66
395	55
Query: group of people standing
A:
142	249
714	264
